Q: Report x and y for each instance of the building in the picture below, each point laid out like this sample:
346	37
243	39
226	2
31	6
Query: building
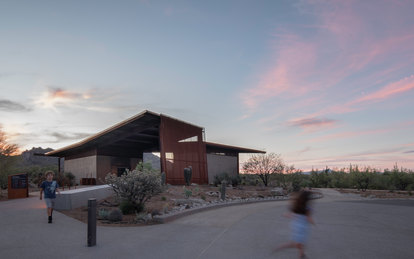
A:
178	143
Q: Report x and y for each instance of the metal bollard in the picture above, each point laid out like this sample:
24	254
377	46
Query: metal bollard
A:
223	190
92	222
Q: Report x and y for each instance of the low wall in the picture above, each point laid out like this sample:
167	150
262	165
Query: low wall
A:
71	199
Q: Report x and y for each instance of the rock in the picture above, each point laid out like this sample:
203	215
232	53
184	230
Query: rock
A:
277	191
148	217
115	216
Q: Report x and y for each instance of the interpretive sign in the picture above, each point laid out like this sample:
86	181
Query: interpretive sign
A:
18	186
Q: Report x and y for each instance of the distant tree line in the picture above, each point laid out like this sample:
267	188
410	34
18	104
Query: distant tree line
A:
270	169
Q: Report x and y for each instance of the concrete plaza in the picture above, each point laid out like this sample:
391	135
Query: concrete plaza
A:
346	227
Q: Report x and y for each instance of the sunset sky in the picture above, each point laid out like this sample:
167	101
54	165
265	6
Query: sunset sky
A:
323	83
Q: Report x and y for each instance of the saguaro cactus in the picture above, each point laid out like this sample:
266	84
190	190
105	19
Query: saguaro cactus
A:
188	172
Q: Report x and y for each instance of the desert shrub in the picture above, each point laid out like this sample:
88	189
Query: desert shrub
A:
137	186
187	192
70	178
103	214
163	198
127	207
235	180
221	177
115	216
249	179
163	178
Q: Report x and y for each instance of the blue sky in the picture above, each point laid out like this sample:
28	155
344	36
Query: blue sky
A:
323	83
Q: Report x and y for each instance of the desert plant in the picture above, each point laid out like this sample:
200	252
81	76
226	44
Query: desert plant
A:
115	216
221	177
163	178
127	207
70	178
188	172
137	186
187	192
263	165
103	214
163	198
235	180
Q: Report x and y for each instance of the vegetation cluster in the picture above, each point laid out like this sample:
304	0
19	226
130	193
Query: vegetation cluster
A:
270	169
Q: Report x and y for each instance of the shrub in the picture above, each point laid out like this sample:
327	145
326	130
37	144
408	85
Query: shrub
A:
127	207
137	186
115	216
103	214
249	179
187	193
163	198
70	178
221	177
163	178
235	180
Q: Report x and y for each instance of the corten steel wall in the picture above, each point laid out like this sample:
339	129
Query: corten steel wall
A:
181	146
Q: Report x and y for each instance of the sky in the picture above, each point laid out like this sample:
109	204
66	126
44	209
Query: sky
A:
323	83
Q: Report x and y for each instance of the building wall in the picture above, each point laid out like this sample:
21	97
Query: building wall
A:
103	168
182	146
218	164
110	164
82	167
134	162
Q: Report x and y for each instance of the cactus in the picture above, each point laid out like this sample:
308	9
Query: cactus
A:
187	175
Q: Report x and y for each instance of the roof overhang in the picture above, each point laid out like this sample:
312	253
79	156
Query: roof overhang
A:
140	130
220	148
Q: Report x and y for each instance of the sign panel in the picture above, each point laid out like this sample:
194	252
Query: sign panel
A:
19	181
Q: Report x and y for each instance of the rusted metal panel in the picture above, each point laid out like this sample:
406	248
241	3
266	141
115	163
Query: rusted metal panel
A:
181	146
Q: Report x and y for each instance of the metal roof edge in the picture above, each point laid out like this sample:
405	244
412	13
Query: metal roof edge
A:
246	150
101	133
180	121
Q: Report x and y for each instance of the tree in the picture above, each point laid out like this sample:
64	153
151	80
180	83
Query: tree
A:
6	158
137	186
361	179
264	165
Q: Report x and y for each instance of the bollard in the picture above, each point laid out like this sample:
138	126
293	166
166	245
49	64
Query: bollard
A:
92	222
223	190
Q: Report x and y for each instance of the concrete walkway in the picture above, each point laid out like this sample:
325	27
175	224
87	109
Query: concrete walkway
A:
347	227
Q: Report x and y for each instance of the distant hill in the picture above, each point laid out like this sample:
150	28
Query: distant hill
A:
28	158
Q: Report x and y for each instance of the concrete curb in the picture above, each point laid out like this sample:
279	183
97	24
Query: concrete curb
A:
182	213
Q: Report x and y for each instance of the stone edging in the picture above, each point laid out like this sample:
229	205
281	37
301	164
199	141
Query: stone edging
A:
165	218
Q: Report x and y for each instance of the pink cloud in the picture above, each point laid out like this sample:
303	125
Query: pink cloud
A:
312	123
389	90
344	53
294	56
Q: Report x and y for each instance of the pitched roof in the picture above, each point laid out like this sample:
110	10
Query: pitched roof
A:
140	130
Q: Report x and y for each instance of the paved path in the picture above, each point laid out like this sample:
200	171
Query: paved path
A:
347	227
